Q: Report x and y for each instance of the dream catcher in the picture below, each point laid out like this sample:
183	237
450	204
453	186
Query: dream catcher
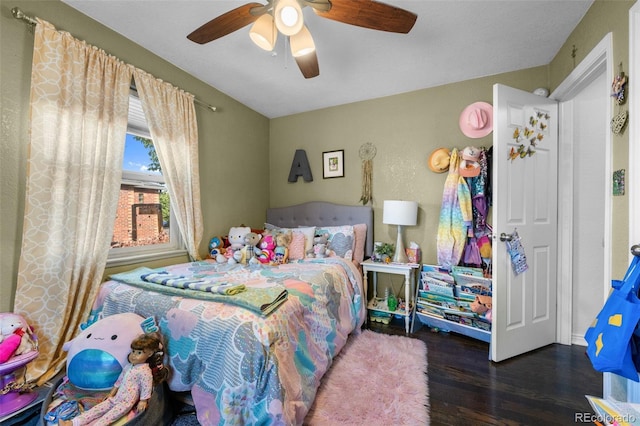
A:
617	92
367	152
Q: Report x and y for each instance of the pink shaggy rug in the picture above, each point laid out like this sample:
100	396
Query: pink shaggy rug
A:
377	379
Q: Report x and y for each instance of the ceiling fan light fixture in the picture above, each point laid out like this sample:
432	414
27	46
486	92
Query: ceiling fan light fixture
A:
302	43
288	15
263	32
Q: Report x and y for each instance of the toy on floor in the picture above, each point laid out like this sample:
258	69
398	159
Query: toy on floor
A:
134	385
96	357
18	344
15	336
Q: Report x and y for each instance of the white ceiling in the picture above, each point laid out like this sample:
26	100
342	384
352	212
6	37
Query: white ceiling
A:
451	41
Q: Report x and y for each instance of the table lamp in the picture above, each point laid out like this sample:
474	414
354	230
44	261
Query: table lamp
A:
401	213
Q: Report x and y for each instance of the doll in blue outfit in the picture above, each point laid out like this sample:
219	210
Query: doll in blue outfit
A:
133	387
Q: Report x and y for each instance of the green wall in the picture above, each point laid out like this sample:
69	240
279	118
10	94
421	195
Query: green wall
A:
405	129
234	141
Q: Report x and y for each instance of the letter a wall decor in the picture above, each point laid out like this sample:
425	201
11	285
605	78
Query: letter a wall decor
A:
300	167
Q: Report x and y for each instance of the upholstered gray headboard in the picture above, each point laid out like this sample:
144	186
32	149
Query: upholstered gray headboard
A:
321	213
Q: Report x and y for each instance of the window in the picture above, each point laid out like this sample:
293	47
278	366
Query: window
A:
143	227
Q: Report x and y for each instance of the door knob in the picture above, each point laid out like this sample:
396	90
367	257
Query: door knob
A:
505	237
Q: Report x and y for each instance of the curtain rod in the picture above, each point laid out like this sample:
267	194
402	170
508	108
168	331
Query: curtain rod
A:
19	14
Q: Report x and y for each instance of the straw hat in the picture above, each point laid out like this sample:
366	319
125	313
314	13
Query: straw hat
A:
439	160
476	120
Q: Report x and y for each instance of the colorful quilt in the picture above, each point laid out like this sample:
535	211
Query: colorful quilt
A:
243	367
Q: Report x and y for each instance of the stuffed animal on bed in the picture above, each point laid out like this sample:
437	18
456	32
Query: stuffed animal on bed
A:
251	250
236	238
216	250
320	246
96	357
15	336
267	246
281	252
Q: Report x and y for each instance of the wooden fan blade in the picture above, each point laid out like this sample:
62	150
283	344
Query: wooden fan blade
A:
308	65
226	23
370	14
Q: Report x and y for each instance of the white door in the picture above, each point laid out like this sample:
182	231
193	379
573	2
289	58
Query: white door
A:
524	200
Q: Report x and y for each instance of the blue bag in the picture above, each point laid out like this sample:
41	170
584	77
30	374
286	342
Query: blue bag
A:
609	339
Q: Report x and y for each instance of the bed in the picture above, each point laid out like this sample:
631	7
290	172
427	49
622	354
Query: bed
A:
257	359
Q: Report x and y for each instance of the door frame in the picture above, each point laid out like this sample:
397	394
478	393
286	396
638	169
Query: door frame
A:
599	60
634	126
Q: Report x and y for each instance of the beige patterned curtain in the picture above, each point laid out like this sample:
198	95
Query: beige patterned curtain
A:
79	103
171	117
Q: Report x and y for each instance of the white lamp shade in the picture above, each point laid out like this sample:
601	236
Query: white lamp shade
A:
288	14
263	32
302	43
396	212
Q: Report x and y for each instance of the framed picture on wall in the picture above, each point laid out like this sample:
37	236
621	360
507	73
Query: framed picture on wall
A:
333	164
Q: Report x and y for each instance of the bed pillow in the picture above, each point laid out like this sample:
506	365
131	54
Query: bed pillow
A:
360	232
297	245
307	231
341	239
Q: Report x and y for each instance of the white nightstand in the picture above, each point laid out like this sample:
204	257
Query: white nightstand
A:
405	269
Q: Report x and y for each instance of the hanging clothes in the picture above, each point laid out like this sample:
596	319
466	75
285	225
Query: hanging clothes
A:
477	186
488	188
455	216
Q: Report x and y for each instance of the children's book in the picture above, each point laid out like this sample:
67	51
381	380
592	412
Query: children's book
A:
611	412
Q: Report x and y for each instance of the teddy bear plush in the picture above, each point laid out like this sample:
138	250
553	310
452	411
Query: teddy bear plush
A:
281	252
266	246
320	246
251	250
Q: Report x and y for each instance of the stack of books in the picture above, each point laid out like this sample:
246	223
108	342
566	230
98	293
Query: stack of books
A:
449	294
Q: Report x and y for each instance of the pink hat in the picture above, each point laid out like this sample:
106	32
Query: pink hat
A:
470	153
476	120
469	166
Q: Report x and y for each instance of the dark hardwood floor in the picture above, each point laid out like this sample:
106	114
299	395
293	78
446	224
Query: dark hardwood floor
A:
546	386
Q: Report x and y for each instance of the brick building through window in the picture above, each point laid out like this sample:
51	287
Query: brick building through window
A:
139	218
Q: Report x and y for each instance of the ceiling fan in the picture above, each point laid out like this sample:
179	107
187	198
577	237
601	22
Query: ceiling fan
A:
285	16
